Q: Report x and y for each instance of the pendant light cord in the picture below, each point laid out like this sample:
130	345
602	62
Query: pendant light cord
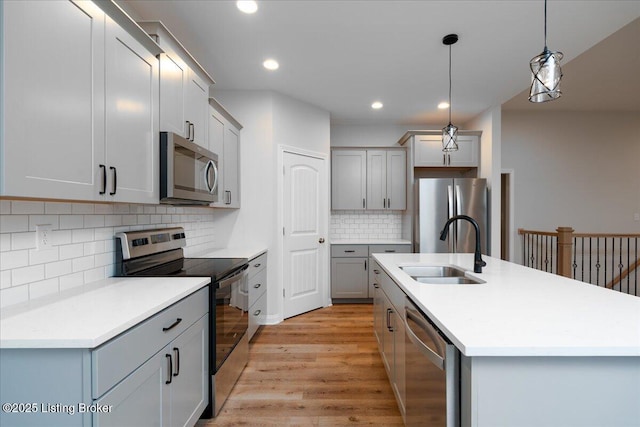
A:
545	24
449	84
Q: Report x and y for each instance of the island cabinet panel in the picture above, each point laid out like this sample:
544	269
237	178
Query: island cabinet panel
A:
550	391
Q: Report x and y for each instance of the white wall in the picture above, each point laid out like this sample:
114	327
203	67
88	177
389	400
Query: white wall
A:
270	119
369	135
489	122
578	169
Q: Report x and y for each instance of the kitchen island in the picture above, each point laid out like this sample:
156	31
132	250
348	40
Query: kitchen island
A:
536	349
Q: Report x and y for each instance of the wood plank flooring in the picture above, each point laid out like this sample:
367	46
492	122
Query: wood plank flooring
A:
321	368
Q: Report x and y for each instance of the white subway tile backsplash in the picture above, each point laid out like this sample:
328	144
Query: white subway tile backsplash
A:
14	223
19	207
43	288
14	295
83	242
20	276
14	259
367	225
53	208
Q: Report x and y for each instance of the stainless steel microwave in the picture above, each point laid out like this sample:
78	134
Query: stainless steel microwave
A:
188	172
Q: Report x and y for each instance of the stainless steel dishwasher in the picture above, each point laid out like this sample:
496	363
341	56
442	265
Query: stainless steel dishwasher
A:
432	373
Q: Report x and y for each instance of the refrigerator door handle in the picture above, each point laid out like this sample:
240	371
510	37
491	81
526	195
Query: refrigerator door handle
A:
458	201
450	206
452	211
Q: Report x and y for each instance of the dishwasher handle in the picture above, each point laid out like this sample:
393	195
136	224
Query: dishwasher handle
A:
435	355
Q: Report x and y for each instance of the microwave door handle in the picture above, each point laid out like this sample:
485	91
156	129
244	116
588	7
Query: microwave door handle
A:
210	188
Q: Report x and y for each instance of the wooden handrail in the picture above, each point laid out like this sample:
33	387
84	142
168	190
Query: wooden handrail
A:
624	274
522	231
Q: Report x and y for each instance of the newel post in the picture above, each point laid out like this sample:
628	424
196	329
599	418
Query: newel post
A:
565	245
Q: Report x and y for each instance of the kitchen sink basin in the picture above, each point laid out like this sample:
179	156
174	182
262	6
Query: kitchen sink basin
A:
439	274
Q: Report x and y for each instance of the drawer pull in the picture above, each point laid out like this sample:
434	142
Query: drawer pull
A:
349	251
389	250
257	285
168	356
376	271
178	320
257	312
257	265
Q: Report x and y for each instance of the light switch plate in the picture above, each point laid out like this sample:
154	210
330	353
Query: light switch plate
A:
43	236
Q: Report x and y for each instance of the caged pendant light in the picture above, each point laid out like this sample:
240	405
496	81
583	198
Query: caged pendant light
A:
545	72
450	132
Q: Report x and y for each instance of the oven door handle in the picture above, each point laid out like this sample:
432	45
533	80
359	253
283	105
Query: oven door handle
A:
235	277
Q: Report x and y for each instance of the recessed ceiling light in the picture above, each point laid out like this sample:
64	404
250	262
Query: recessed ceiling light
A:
247	6
376	105
271	64
443	105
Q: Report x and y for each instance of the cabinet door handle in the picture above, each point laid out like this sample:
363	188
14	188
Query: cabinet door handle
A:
256	265
350	251
389	250
176	351
389	328
375	285
388	203
376	271
365	265
192	131
257	285
173	325
384	203
257	312
115	181
449	158
363	204
104	179
168	356
444	159
188	130
228	197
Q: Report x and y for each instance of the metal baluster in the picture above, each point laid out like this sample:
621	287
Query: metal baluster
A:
590	261
582	263
597	261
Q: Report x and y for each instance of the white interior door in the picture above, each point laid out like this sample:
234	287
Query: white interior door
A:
305	231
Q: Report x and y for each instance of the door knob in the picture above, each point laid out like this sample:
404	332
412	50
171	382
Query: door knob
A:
321	240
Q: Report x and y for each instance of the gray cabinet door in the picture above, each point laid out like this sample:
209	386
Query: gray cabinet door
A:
189	383
140	399
348	179
396	179
349	278
231	158
376	179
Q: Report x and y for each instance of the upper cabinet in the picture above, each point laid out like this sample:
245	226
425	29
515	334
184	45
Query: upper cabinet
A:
349	179
369	179
428	152
184	88
84	128
224	140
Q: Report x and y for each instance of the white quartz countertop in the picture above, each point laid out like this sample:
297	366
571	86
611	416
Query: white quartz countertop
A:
370	242
89	316
520	311
237	252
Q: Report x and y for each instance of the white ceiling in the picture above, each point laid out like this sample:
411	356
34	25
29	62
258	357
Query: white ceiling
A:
343	55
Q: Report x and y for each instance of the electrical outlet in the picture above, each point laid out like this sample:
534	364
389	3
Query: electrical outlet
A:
636	216
43	236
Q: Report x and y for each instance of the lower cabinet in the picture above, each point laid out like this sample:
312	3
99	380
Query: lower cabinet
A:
351	272
388	321
154	374
257	289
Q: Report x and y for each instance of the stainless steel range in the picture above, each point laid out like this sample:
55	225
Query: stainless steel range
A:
159	253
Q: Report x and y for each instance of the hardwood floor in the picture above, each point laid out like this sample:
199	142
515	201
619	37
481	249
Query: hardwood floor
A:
321	368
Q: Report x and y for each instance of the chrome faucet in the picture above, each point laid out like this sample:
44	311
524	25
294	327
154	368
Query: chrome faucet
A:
478	263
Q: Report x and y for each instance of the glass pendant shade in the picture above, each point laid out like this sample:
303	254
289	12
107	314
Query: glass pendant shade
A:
450	138
545	76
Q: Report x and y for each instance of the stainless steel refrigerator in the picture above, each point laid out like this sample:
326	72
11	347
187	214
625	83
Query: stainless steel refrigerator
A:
438	199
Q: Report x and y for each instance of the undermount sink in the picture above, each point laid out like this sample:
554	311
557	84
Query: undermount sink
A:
439	275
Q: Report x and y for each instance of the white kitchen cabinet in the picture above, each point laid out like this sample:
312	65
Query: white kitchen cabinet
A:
369	179
387	179
184	88
257	284
428	152
224	140
131	128
53	99
348	179
86	129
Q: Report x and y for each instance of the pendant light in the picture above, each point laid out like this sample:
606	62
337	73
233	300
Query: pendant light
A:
450	132
545	72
